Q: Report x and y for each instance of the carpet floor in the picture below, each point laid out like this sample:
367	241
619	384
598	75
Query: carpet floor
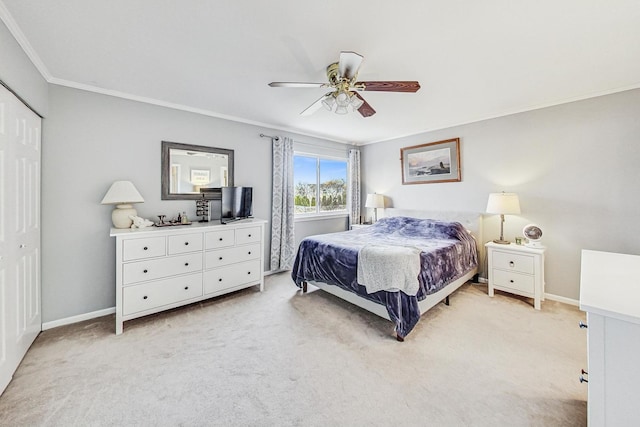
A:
283	358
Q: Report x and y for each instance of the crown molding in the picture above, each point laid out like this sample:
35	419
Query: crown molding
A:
17	33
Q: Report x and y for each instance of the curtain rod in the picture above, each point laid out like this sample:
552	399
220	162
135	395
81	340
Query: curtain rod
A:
262	135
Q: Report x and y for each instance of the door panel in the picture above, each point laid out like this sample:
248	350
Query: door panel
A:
20	309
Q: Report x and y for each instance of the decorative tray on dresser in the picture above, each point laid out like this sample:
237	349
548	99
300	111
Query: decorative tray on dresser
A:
162	268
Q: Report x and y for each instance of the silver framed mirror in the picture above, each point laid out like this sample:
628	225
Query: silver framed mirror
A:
187	168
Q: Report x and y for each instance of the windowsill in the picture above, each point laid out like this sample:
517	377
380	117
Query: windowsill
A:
318	217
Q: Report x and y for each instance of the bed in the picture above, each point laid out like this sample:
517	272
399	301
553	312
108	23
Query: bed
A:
444	244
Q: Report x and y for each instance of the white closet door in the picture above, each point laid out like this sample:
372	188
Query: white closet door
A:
20	314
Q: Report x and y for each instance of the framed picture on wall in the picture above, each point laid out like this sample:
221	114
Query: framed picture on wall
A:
430	163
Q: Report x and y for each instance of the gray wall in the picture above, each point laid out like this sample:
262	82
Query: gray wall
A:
92	140
574	167
17	71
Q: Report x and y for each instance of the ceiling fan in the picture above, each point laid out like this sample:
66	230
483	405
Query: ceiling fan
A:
343	76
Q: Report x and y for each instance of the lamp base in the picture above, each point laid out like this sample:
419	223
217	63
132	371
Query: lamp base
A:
120	216
502	242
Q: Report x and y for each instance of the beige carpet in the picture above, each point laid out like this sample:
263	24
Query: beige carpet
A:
280	358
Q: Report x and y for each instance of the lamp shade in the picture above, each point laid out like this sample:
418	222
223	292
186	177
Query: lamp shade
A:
374	201
503	203
122	192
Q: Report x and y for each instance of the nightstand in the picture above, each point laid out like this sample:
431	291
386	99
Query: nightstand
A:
516	269
356	226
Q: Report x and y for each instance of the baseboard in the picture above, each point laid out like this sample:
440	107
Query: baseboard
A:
550	297
78	318
565	300
100	313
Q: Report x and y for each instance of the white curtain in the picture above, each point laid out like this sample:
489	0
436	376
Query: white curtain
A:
354	186
282	237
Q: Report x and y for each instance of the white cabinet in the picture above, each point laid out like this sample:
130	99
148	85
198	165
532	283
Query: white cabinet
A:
610	294
162	268
516	269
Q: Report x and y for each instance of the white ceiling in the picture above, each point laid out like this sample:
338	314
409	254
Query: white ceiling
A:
473	59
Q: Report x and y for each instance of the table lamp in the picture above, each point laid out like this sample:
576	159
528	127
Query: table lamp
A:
374	201
122	194
503	203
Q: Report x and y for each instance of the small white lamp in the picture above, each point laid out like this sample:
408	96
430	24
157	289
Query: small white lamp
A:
503	203
374	201
122	194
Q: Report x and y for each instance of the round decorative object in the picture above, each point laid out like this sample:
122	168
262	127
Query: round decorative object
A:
534	234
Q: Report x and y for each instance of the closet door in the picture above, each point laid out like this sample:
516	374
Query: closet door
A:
20	314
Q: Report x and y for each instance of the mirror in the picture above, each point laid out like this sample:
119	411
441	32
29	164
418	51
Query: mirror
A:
187	168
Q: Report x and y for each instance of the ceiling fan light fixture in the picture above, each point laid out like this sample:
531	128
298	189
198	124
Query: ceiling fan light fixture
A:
328	102
342	99
341	109
356	102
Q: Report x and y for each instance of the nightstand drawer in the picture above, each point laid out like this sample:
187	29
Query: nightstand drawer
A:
513	262
521	283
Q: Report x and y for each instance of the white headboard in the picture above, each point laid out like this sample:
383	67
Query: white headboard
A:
472	221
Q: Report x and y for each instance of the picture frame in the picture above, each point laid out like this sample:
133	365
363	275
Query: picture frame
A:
431	163
200	176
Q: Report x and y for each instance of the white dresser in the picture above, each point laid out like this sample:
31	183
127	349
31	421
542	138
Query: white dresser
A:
610	294
159	268
516	269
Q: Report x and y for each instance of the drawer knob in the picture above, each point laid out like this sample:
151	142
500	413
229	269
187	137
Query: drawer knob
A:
511	280
186	243
186	288
144	297
145	248
145	270
248	272
220	258
221	239
583	325
511	264
186	264
220	279
249	235
249	252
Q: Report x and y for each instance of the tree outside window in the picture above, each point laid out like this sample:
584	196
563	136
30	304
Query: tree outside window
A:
320	184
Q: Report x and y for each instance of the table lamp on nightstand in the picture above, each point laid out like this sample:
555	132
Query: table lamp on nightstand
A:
503	203
122	194
374	201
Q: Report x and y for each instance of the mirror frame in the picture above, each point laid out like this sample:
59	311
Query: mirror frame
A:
166	170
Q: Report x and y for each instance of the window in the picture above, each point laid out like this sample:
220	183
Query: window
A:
320	184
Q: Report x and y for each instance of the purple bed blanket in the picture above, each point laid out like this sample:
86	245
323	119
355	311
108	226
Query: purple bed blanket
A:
448	252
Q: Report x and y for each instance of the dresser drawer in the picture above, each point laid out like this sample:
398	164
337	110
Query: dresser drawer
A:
220	239
521	283
152	295
162	267
221	257
513	262
184	243
248	235
231	276
148	247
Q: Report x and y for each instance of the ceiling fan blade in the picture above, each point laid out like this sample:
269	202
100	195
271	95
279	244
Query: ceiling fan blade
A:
365	109
314	107
296	84
389	86
349	64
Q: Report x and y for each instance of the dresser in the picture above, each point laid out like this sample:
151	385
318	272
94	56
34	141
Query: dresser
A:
610	295
159	268
516	269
